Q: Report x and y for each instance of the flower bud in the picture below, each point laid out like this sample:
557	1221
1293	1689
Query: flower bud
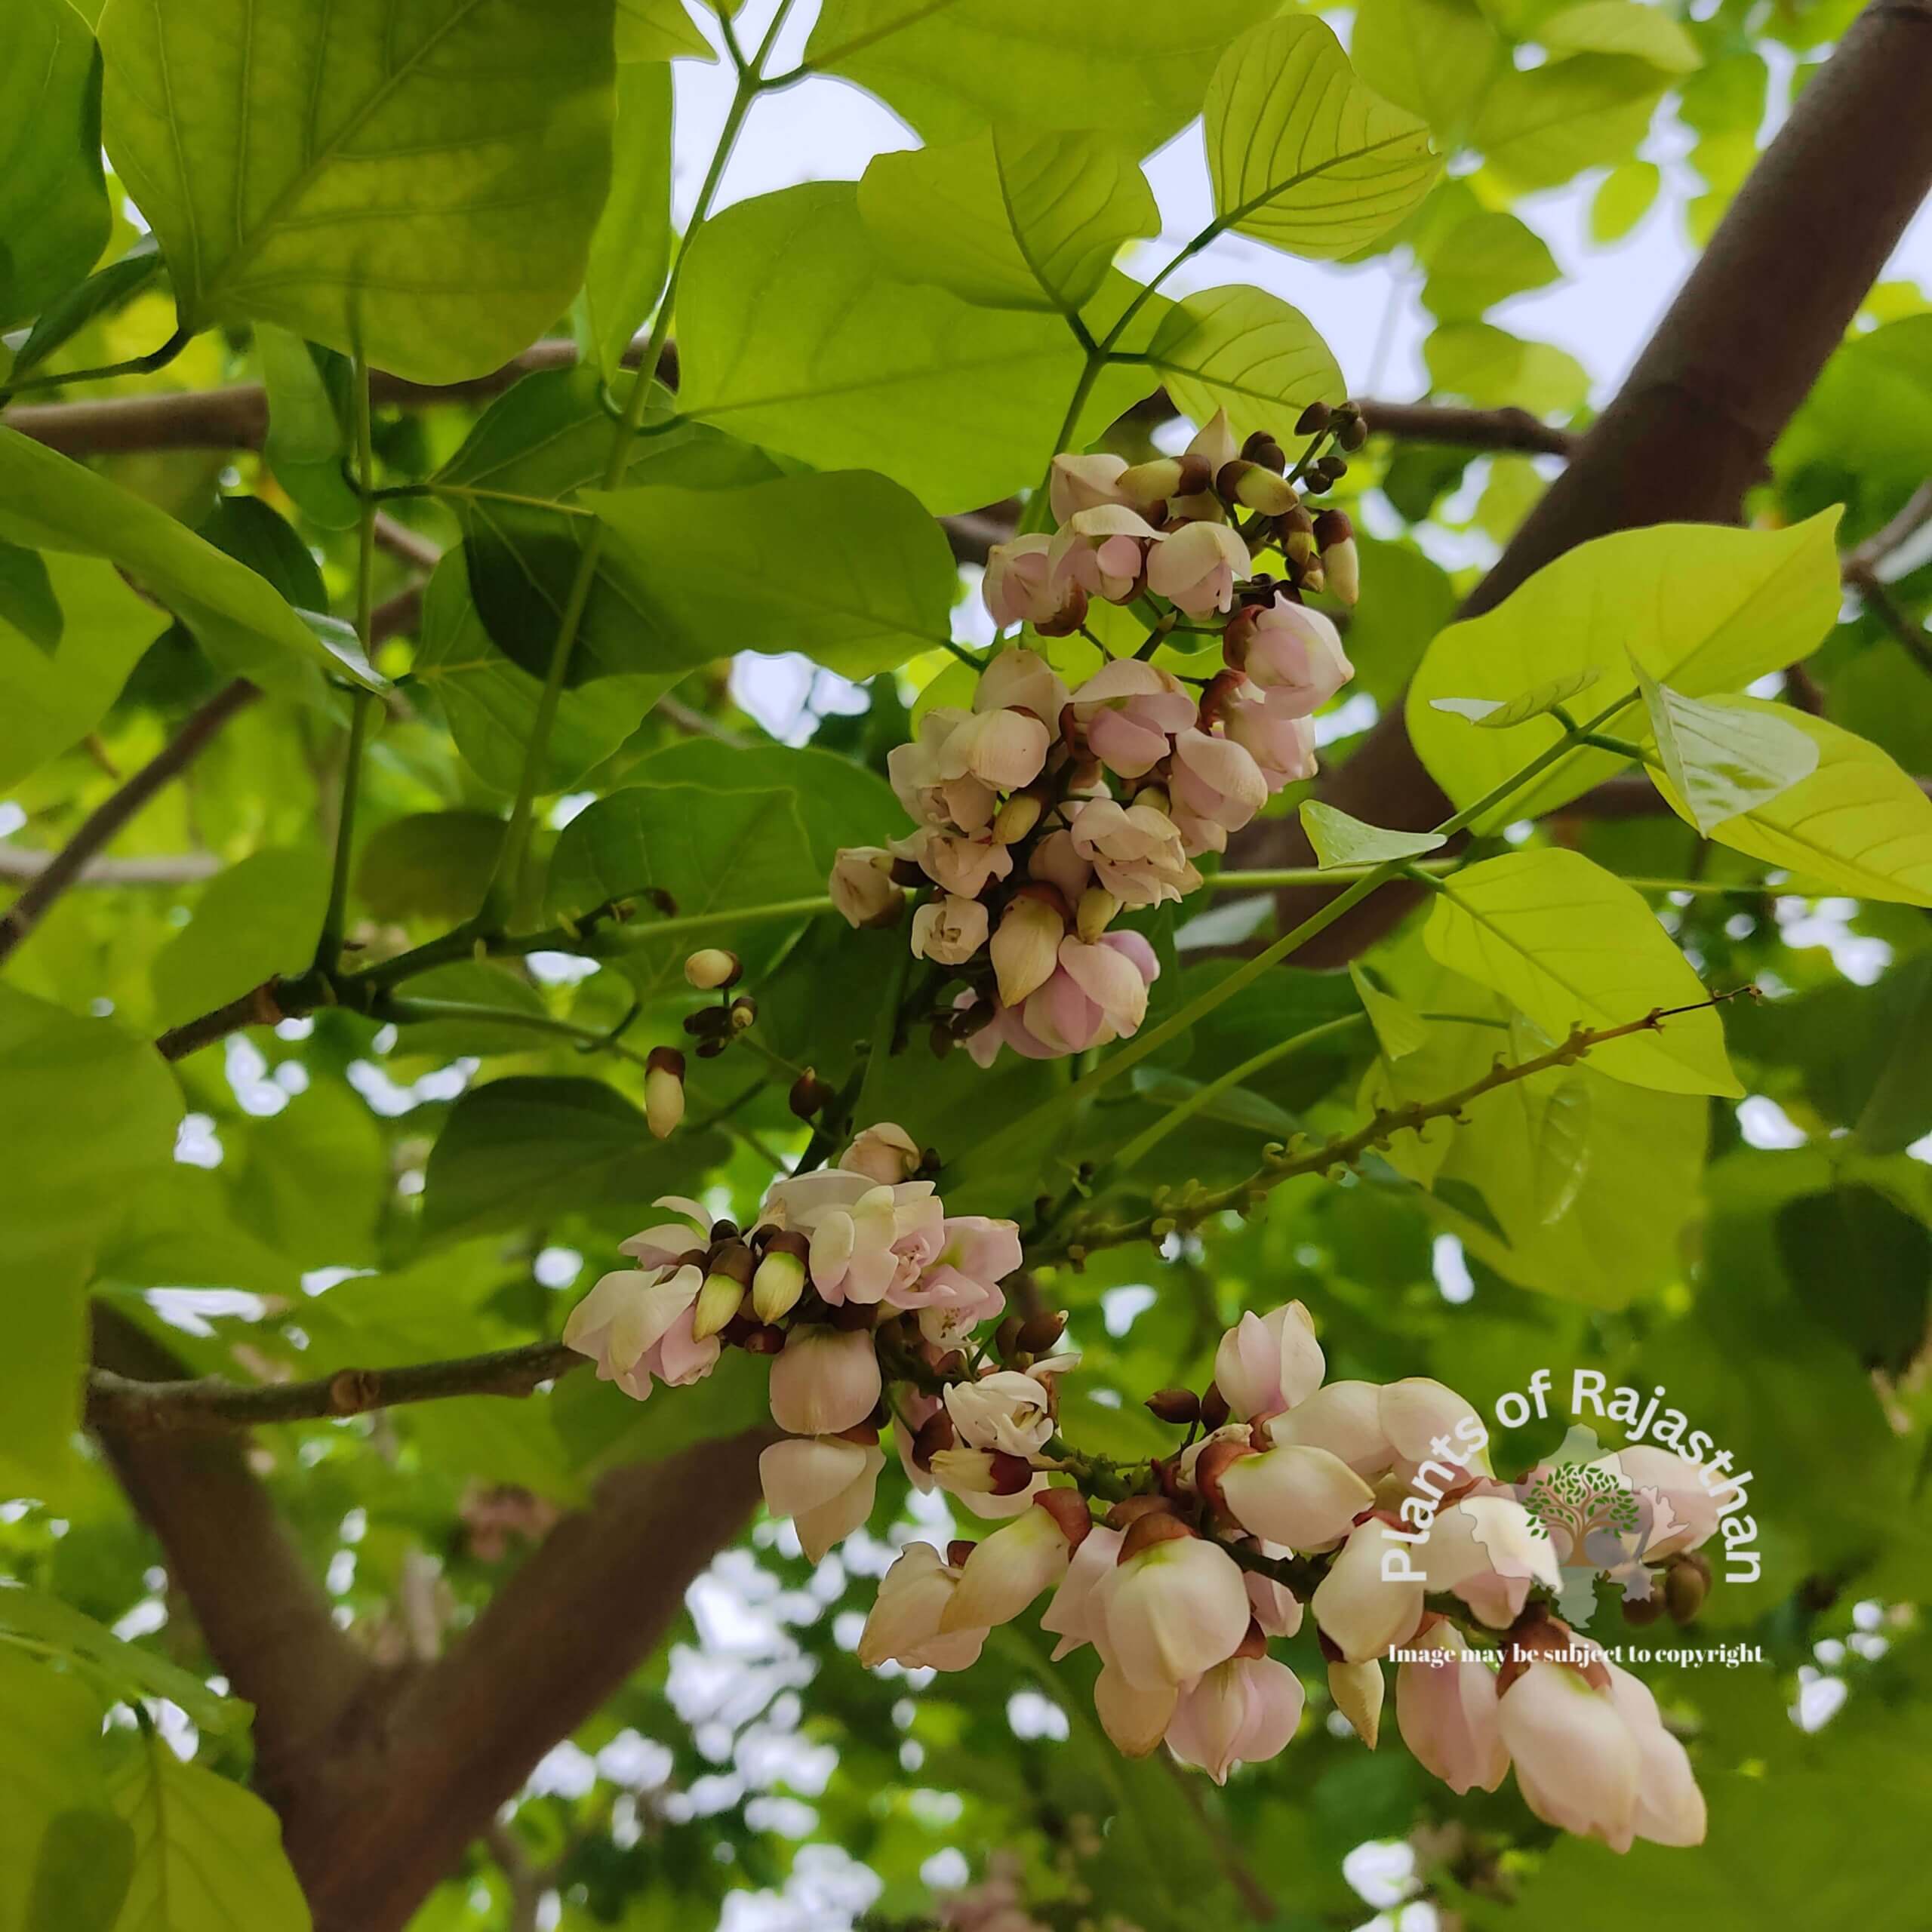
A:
743	1013
826	1380
1267	1363
1340	563
1007	1570
1448	1715
1314	420
1039	1333
1135	1716
718	1302
1353	433
1578	1763
1094	914
1357	1689
1178	1407
663	1090
1262	448
810	1095
712	968
1026	947
1242	1711
1255	488
1686	1584
1016	818
779	1279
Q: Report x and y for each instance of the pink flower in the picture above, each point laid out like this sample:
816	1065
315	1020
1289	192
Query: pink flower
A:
862	888
1018	679
1135	1716
1173	1610
929	792
903	1626
1026	948
1362	1611
1578	1761
948	931
1008	1569
1243	1712
1694	1511
1130	711
1073	1616
1280	743
964	866
1105	552
1276	1607
1670	1808
1055	861
1267	1363
1293	653
1097	993
1344	1418
1135	851
870	1243
635	1324
1304	1498
673	1243
1216	780
1484	1547
958	1288
1077	483
824	1484
1002	748
1448	1715
1018	586
1197	568
824	1380
1008	1410
1417	1413
884	1152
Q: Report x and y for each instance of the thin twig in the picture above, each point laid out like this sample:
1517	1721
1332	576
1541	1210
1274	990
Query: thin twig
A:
105	822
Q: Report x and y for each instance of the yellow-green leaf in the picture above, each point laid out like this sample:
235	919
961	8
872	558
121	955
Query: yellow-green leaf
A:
1245	351
1301	154
1646	33
1012	218
1502	714
1341	840
1701	608
1721	762
1858	824
1570	945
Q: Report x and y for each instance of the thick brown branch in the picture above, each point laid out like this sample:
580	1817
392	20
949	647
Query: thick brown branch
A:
1691	428
105	822
135	1407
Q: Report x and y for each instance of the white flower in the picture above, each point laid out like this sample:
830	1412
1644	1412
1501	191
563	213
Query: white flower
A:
824	1484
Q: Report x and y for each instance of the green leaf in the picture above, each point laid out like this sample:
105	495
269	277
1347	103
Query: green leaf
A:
52	1775
959	403
207	1854
1303	156
103	293
630	253
28	606
514	483
1722	761
1399	1029
306	442
1621	26
658	30
1880	1259
1011	218
515	1149
1491	714
1493	369
432	865
90	1117
1568	945
1624	196
421	185
1340	840
1856	824
82	1873
1245	351
486	988
710	852
1540	126
1435	57
1560	1145
53	215
850	570
1484	260
490	703
1702	608
256	919
124	1668
1135	67
52	504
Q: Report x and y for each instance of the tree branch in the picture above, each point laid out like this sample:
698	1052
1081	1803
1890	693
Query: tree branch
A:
167	868
1691	428
105	822
133	1406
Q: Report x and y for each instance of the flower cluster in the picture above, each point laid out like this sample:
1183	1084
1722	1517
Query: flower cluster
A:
1371	1508
1043	813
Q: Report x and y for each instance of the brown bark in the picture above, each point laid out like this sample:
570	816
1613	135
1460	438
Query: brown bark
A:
1689	432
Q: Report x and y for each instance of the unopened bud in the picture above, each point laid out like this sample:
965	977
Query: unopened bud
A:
1640	1611
933	1437
810	1095
1335	468
1686	1583
1042	1331
939	1037
718	1302
1294	531
1016	818
1261	448
1155	797
1332	526
744	1012
712	968
1151	1527
1214	1407
708	1022
1352	433
663	1090
779	1279
763	1341
1006	1336
1178	1407
1094	914
1256	488
1341	568
1314	420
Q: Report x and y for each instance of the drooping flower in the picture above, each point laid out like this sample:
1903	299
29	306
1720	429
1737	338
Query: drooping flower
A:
635	1324
948	931
1693	1511
824	1484
958	863
904	1625
862	887
1303	1497
1418	1414
1485	1548
1074	1615
1344	1418
1002	748
1216	780
1135	851
1357	1690
1196	569
1077	483
671	1243
1670	1808
1018	679
1245	1711
1026	948
1361	1609
1578	1761
1281	742
1008	1569
1267	1363
958	1287
1293	653
1018	586
1448	1714
1007	1410
930	793
1090	999
1104	551
1173	1609
1135	1715
824	1381
1130	711
884	1152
